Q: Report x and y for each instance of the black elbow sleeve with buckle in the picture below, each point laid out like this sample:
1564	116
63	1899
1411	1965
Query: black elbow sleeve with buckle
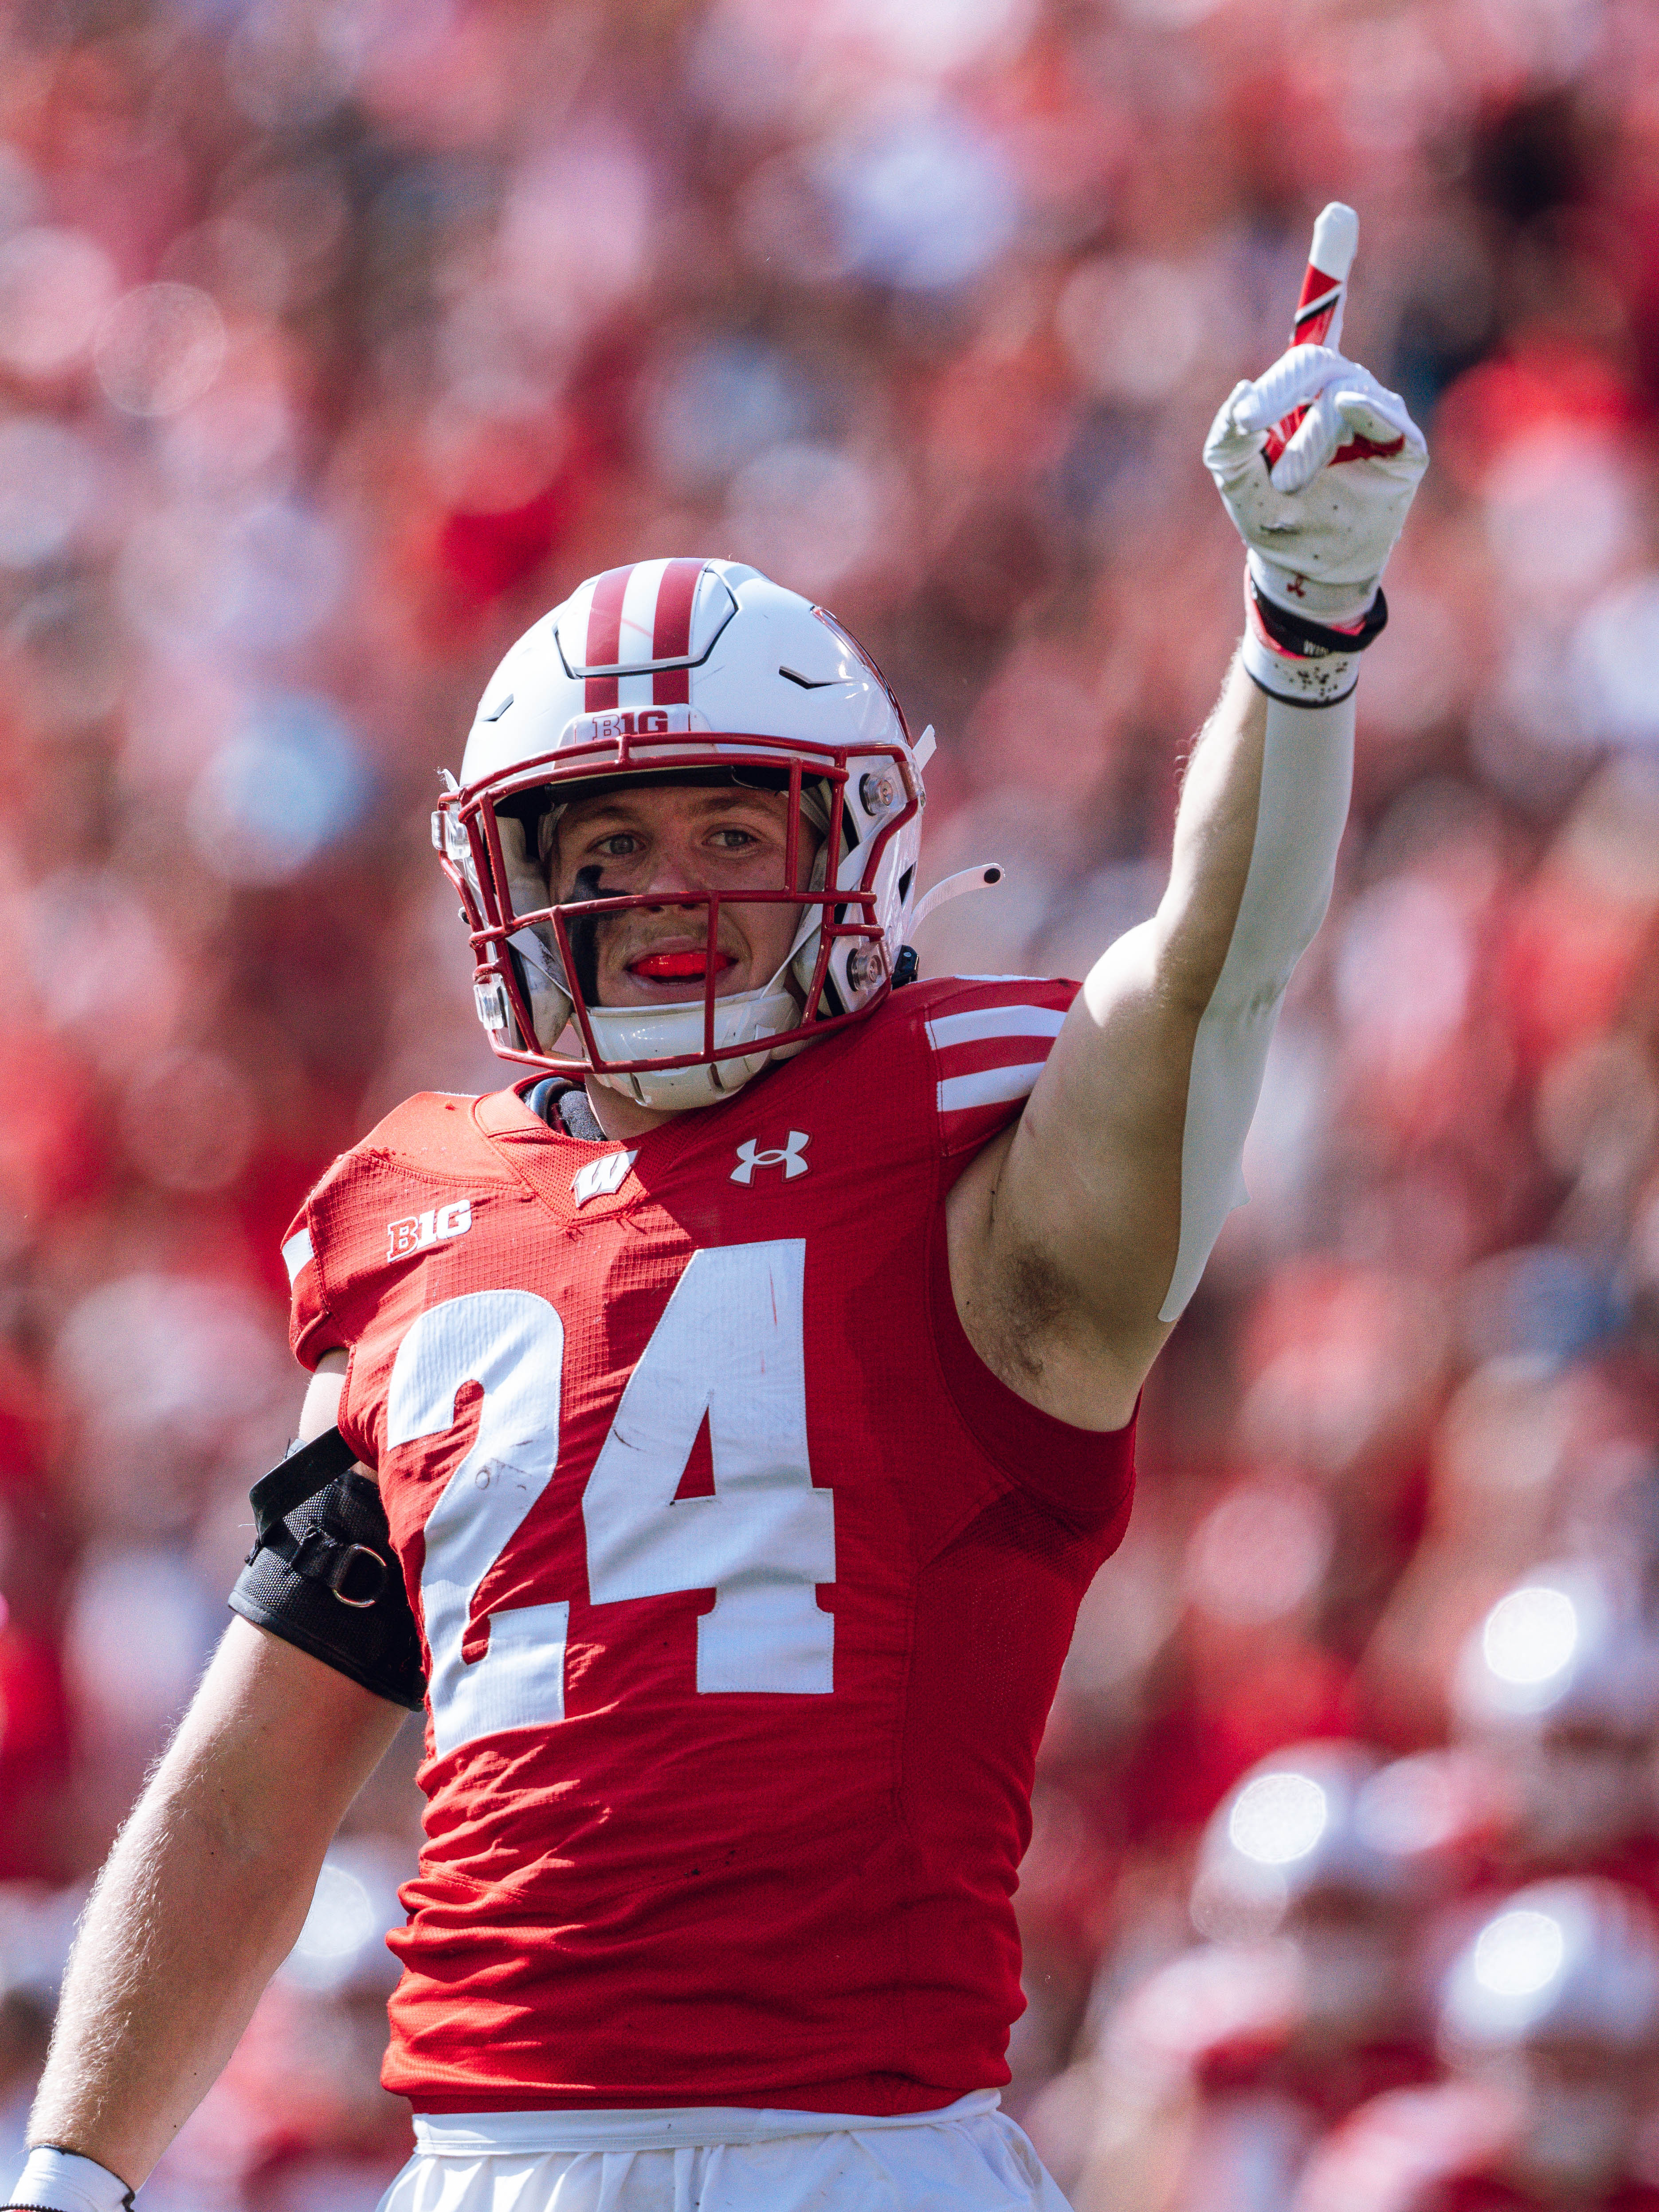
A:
322	1574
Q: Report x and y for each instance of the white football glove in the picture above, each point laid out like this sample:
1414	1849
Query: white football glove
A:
65	2181
1321	525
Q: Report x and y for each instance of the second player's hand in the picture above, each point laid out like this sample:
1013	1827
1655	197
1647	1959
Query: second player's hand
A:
1321	524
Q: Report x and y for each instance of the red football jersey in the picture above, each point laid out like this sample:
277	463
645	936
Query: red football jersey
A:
744	1584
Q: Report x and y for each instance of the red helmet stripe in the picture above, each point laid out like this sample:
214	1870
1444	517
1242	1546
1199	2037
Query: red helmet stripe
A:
671	637
604	635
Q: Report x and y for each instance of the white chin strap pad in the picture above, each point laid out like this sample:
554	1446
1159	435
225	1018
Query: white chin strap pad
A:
1307	772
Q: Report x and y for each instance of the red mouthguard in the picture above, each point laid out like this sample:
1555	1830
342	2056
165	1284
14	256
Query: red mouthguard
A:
671	966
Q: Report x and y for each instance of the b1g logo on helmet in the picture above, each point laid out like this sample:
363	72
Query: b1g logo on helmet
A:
419	1232
630	722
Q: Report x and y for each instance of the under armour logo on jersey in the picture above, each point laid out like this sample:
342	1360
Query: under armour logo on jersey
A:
421	1231
601	1176
787	1157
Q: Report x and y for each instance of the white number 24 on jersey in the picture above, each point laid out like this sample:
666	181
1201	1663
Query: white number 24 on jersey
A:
729	1344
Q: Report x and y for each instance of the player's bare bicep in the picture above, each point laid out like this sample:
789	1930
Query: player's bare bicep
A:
1025	1314
320	1410
277	1725
1063	1231
1093	1176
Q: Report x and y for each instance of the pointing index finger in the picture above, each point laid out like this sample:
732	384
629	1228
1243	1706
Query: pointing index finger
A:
1325	282
1318	319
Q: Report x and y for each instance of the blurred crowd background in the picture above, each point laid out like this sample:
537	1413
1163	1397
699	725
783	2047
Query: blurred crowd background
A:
338	338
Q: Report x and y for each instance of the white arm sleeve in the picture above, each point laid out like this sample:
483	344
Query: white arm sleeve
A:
1307	772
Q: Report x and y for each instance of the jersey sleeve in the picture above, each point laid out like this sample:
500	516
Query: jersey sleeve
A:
312	1329
375	1209
989	1038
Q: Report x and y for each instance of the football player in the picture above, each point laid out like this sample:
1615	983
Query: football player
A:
1222	2069
1549	2022
1557	1690
717	1430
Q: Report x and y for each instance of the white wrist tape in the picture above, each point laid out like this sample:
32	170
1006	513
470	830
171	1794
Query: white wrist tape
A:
1316	677
1307	772
1302	682
65	2182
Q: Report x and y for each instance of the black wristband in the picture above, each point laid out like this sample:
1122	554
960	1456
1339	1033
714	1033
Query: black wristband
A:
1312	641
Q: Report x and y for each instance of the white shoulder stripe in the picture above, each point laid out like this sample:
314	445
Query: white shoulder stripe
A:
990	1087
297	1253
995	1022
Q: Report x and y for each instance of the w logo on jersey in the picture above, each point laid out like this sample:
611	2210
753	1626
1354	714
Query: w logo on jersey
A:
421	1231
787	1157
600	1178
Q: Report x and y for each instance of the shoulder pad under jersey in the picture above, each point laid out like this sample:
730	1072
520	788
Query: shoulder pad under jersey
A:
407	1184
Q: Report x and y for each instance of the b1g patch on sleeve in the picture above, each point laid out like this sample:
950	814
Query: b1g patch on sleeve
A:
419	1232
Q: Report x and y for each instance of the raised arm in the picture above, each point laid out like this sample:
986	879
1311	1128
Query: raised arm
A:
1078	1236
201	1900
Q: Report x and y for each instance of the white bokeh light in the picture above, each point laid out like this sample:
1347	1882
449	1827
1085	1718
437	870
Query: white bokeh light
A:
1519	1954
1405	968
805	513
342	1921
160	347
1279	1817
138	1628
1560	512
931	36
54	288
1132	327
1258	1553
925	201
1530	1635
1615	662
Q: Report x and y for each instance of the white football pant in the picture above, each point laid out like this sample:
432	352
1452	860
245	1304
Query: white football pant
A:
970	2157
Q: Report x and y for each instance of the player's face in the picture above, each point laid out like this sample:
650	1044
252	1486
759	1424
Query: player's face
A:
680	840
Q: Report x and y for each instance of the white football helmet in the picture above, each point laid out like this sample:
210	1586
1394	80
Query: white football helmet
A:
1308	1824
672	670
1574	1959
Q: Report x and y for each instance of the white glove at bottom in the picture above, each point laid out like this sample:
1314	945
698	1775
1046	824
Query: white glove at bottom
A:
1321	524
64	2181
